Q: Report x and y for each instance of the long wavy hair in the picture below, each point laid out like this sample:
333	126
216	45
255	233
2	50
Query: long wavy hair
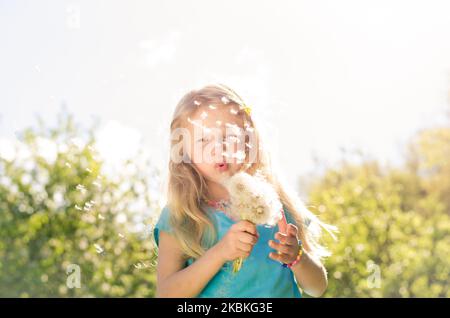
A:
192	227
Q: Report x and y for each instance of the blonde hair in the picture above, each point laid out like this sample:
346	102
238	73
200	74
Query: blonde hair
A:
192	227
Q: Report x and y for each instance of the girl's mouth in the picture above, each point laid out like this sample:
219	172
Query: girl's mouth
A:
222	166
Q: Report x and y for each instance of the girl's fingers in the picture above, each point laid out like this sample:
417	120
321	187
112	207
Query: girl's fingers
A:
244	247
286	239
282	224
279	257
275	256
244	254
282	248
247	227
247	238
281	237
292	229
292	241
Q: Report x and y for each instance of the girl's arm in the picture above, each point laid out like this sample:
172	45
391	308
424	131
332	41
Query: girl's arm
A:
311	275
309	272
175	281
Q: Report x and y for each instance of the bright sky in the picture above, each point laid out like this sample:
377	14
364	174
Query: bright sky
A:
320	74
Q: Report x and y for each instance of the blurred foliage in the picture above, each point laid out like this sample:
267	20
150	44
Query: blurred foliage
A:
394	223
58	209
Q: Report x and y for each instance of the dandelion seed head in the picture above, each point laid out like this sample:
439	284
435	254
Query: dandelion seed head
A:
252	198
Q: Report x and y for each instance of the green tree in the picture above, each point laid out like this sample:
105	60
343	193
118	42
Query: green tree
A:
394	223
57	209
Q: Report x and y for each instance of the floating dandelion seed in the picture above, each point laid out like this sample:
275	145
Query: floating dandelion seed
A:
148	263
88	170
96	184
234	139
212	107
99	249
87	206
197	103
77	207
143	264
234	111
225	100
121	235
194	122
138	265
239	155
81	188
101	217
203	115
68	165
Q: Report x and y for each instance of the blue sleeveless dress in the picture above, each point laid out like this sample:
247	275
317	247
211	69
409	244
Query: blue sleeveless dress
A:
259	277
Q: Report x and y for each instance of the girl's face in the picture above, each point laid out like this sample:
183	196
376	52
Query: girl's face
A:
217	143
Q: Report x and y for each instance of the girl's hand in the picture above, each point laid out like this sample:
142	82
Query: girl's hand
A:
288	247
238	241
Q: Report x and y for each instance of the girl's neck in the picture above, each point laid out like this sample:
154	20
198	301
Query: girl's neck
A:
217	192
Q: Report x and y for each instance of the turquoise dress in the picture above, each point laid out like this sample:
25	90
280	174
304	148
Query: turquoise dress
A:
259	277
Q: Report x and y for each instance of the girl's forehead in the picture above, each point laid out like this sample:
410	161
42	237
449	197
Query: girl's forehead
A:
223	115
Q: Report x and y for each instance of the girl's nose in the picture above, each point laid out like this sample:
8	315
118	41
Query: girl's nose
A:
218	150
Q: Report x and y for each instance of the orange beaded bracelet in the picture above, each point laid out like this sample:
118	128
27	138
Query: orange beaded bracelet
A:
299	255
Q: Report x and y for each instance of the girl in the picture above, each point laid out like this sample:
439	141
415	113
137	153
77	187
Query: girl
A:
198	241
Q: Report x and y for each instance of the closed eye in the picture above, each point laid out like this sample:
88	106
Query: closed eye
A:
204	139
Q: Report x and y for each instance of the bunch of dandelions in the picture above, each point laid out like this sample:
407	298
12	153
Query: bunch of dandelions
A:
253	199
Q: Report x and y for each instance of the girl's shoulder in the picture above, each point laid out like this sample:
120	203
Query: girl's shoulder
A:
162	224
